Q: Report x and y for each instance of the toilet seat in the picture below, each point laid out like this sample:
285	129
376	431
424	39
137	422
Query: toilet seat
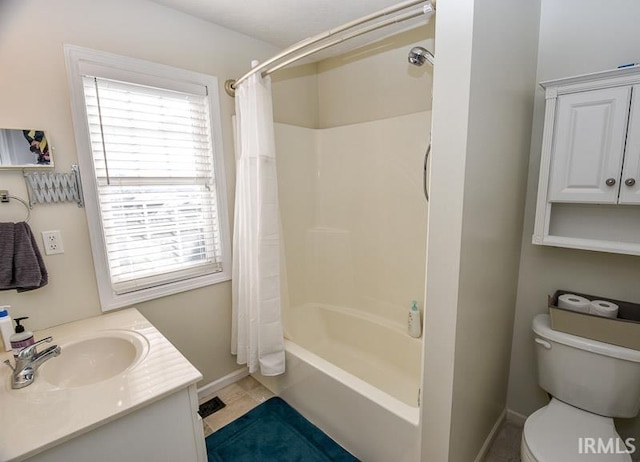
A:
558	431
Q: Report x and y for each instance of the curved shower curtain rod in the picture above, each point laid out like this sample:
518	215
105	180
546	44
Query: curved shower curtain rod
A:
427	9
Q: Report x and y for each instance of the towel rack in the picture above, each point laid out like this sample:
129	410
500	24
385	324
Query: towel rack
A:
5	196
53	187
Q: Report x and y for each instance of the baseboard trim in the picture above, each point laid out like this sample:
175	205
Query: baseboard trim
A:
219	384
492	434
516	417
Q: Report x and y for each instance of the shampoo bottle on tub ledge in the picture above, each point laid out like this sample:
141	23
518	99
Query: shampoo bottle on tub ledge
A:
414	326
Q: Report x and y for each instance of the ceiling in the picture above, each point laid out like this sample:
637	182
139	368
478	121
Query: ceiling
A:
279	22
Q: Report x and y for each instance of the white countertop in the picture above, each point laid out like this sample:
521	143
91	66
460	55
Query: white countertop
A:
42	415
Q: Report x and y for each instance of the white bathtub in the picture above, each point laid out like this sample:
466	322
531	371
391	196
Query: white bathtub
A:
355	377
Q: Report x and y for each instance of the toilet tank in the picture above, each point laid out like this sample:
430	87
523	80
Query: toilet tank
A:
590	375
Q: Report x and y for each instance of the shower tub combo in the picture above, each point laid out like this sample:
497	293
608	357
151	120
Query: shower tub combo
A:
355	377
351	367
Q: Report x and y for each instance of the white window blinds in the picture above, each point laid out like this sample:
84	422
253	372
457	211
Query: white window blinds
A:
153	162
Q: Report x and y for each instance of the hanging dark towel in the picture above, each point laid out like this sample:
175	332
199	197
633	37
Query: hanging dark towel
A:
21	264
7	240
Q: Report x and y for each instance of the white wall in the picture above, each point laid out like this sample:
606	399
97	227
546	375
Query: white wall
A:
576	37
451	83
483	100
34	93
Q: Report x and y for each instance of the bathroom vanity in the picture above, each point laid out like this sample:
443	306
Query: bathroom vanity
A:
118	391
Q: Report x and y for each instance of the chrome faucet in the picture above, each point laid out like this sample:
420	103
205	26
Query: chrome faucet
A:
28	361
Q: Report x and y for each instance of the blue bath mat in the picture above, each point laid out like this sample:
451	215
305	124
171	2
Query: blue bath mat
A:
273	432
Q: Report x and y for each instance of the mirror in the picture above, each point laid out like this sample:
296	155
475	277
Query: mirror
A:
24	148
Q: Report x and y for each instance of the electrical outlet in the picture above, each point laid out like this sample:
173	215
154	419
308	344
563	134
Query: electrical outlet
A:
52	242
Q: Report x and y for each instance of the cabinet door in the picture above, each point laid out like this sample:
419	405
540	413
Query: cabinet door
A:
588	146
630	187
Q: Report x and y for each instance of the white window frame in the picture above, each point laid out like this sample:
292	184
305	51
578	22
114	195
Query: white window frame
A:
83	61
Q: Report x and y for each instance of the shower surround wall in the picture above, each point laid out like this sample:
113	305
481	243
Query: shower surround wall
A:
354	216
353	212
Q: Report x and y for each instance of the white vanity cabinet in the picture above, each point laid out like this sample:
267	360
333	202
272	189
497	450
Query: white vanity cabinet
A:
166	430
87	408
589	186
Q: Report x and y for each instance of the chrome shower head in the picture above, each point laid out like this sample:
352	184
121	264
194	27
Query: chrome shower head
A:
418	55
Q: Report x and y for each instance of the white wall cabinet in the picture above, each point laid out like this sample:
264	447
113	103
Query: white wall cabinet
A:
589	145
630	186
589	186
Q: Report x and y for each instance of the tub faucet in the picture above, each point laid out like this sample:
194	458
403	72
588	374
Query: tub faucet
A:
28	361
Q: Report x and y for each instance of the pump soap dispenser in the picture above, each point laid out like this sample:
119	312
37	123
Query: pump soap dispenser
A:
22	338
414	326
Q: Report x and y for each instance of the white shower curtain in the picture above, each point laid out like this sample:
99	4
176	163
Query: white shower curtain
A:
257	337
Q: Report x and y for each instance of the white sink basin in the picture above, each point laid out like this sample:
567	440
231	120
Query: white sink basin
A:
94	359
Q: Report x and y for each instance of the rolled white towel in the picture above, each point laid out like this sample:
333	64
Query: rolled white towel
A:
574	303
603	308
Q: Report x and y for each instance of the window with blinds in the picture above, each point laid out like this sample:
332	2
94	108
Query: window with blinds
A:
149	143
153	164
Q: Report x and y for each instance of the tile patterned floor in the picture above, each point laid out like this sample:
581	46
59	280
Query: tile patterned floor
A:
240	397
244	395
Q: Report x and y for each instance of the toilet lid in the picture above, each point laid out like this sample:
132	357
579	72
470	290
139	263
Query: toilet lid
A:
562	433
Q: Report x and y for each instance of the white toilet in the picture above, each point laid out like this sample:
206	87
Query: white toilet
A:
590	383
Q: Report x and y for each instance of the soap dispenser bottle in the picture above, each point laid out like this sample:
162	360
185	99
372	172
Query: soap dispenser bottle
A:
6	327
22	338
414	326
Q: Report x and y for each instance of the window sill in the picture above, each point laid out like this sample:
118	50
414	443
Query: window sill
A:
111	301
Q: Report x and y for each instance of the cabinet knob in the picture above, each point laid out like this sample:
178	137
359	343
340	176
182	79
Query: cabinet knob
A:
610	181
630	181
